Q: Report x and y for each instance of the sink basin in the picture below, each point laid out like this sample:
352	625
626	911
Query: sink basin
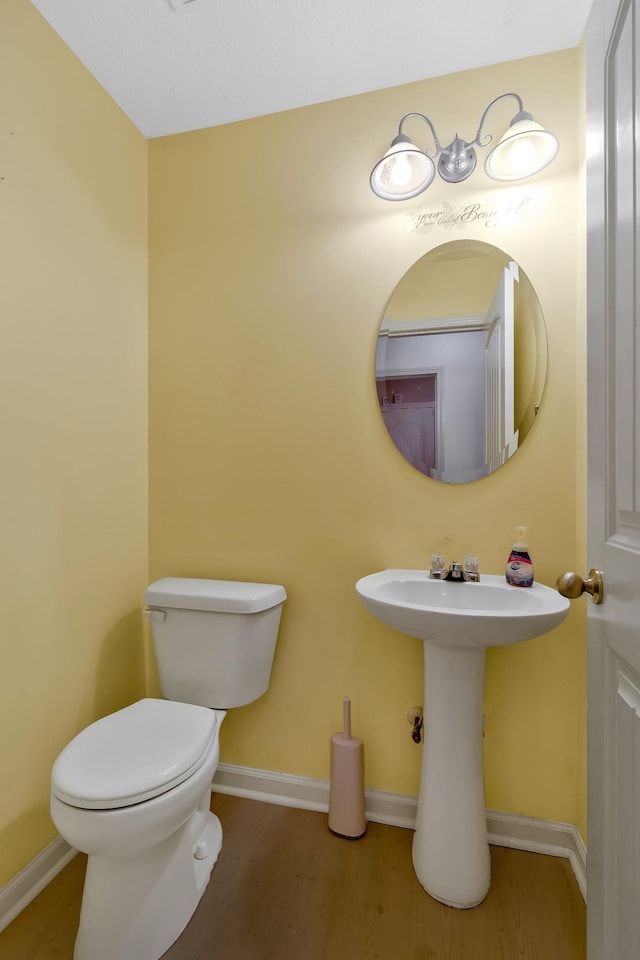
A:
456	622
490	613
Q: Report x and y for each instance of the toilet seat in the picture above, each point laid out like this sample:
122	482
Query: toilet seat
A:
134	754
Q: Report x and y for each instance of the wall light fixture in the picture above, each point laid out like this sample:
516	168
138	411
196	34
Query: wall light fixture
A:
405	170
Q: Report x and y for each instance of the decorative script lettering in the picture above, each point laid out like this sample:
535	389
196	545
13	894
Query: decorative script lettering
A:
448	217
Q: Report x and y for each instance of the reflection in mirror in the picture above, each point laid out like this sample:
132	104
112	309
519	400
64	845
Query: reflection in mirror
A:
461	361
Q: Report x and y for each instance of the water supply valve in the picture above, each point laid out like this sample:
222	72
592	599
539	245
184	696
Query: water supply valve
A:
415	718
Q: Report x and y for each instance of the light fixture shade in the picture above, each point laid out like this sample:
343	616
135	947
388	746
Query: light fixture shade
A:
525	149
402	173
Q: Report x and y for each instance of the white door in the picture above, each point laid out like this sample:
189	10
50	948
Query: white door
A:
412	427
613	205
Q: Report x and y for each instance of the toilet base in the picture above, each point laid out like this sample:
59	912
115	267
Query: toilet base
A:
134	908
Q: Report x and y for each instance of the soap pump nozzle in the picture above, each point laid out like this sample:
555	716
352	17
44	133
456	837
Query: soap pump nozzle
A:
521	536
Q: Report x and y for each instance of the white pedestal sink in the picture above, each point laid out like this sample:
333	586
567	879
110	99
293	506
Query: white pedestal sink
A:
457	622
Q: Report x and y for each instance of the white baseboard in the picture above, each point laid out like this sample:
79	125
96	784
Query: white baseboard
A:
399	810
33	878
306	793
540	836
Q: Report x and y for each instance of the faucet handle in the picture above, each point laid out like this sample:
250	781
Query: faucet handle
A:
437	566
471	567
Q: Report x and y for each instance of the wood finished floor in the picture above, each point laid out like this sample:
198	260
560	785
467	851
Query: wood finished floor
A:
285	888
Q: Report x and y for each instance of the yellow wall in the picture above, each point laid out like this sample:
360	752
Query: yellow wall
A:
73	483
271	263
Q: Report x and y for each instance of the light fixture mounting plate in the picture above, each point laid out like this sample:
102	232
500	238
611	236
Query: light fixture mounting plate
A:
456	173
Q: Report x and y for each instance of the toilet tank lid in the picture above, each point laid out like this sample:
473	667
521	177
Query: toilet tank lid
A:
221	596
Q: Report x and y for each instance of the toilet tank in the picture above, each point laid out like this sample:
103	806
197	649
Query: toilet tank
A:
214	639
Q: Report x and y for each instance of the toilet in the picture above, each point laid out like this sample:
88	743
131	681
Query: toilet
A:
133	789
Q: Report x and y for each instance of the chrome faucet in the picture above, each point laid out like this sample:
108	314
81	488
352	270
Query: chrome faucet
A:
469	571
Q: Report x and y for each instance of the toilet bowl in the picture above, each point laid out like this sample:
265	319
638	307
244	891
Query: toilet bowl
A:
133	789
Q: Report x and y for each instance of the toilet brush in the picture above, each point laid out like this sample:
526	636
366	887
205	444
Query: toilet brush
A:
346	792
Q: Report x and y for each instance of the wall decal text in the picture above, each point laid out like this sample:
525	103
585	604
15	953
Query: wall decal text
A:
488	215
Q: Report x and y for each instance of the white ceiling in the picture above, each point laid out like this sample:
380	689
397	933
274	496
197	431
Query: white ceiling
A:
210	62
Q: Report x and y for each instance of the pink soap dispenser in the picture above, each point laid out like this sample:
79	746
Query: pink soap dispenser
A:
519	566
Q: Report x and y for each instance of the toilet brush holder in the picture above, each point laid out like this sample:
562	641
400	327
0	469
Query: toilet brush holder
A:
346	792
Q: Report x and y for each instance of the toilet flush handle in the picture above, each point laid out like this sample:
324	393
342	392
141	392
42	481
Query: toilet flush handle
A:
156	614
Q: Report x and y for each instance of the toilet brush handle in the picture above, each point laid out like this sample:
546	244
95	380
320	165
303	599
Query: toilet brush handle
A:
346	717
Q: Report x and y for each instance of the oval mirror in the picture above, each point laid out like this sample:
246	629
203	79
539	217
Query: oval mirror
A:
461	361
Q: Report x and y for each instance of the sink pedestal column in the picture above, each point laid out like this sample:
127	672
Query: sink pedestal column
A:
450	849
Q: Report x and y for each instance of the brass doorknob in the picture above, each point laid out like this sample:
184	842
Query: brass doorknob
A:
572	585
